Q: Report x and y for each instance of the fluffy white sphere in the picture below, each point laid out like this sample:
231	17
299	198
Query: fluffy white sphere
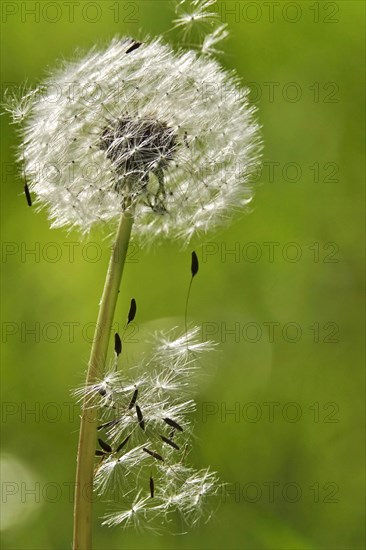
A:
137	125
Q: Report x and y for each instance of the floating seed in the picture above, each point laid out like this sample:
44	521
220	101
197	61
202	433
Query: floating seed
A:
121	445
133	400
134	46
173	424
27	194
152	487
170	442
194	264
153	454
105	446
102	392
140	417
132	312
117	344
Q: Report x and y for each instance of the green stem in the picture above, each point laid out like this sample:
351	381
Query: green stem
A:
87	437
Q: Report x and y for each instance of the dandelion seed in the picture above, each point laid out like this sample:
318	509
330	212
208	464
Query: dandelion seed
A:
140	418
194	271
154	454
121	445
100	453
181	350
132	311
134	398
194	264
192	14
134	47
136	516
117	344
27	194
185	138
118	473
170	442
107	448
109	424
173	424
212	39
18	103
152	487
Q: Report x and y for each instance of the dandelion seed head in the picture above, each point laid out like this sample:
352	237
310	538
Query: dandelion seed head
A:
168	134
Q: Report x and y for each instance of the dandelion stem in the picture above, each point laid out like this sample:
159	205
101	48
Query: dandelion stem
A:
87	437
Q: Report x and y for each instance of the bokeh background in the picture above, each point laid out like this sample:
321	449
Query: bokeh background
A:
281	416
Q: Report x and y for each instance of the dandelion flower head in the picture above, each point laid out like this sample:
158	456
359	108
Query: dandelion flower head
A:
139	126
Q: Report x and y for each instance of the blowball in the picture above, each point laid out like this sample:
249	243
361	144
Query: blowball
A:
169	135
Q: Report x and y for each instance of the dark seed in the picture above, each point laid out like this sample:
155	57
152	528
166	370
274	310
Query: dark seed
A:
194	264
105	446
109	424
117	344
152	487
134	46
140	417
132	312
133	400
27	194
102	392
170	442
121	445
100	453
173	424
153	454
186	139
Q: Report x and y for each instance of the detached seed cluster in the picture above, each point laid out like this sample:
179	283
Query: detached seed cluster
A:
144	436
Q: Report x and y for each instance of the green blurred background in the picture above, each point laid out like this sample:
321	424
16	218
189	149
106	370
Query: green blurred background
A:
292	454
